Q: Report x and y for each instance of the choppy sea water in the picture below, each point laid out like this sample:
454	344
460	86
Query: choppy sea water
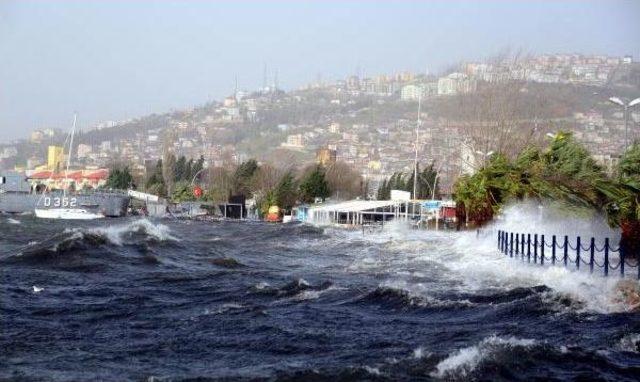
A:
177	300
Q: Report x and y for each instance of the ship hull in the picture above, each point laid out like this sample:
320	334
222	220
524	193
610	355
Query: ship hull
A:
107	204
67	214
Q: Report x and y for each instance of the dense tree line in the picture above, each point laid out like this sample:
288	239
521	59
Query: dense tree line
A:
270	186
174	177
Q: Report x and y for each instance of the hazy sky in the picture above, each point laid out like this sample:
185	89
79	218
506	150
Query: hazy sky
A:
113	60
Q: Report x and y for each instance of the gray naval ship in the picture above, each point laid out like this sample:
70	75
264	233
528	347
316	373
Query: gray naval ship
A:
17	196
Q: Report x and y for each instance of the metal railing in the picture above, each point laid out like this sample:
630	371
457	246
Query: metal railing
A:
535	248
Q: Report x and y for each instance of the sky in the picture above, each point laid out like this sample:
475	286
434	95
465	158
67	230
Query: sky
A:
113	60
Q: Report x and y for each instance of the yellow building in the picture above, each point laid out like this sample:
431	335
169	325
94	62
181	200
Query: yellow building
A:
374	164
55	158
325	156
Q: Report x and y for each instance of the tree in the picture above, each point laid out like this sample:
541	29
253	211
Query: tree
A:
343	181
623	210
119	178
564	173
197	168
314	185
220	184
168	161
155	182
286	192
183	191
243	176
180	169
382	191
168	171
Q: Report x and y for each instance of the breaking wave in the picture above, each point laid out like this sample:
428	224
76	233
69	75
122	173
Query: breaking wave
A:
464	361
78	239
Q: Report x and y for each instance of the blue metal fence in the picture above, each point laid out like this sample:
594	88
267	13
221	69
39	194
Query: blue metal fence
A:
537	247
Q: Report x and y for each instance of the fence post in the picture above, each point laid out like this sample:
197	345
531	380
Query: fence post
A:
535	248
542	250
593	246
517	243
522	246
553	250
606	256
504	242
528	248
578	253
566	249
511	244
621	260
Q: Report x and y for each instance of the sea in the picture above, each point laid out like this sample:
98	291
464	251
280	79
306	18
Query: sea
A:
137	299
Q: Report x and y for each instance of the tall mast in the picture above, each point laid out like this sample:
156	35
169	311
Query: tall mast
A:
73	130
415	162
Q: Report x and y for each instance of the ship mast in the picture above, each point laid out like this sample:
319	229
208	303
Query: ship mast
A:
66	175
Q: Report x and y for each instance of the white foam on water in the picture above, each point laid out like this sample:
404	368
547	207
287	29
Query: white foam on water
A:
464	361
313	294
481	265
37	289
115	234
372	370
13	221
262	285
226	307
630	342
419	353
465	263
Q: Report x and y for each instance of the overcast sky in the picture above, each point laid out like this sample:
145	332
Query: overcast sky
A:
113	60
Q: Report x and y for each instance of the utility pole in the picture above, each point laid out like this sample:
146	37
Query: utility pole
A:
625	110
415	162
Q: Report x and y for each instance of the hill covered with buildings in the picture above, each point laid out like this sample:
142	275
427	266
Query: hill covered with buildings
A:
370	123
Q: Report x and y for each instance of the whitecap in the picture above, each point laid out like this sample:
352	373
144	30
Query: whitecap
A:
630	342
13	221
464	361
115	234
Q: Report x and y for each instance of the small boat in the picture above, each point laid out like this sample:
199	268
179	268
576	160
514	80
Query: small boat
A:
67	214
68	209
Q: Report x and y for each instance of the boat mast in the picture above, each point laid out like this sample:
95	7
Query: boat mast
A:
415	161
66	175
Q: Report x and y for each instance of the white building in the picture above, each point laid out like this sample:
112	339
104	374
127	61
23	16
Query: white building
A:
84	150
456	83
412	92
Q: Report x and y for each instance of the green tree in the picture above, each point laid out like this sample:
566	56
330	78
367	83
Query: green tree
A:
623	209
182	192
179	171
120	178
197	168
314	185
383	193
286	192
155	181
